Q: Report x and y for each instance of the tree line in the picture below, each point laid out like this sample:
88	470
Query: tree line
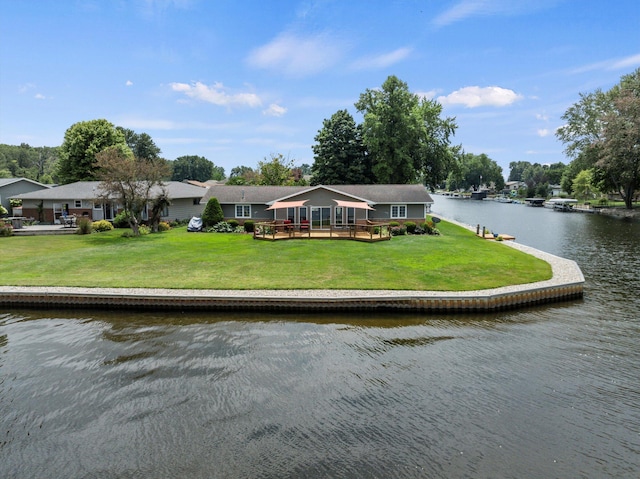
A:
403	138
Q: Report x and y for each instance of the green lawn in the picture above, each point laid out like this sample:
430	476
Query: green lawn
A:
455	261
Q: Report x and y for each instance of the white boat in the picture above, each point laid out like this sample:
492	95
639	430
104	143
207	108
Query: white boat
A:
561	204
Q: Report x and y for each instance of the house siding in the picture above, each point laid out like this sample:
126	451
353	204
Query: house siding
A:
14	189
183	208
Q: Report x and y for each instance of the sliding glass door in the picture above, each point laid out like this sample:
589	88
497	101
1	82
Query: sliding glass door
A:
320	217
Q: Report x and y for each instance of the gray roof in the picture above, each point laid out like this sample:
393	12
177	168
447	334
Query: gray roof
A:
89	190
10	181
374	194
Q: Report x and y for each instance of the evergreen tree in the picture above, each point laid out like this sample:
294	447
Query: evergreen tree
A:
339	153
212	213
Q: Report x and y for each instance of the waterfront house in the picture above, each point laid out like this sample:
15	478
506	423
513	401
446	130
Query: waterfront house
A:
323	205
83	199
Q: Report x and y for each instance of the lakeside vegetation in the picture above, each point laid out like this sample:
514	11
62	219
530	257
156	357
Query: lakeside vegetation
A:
455	261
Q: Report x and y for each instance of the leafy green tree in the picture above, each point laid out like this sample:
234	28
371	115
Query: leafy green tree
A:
243	175
619	153
217	173
192	168
142	145
339	153
212	213
404	135
82	142
601	132
277	171
582	185
516	168
132	181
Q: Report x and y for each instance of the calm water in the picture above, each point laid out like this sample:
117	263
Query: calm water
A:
546	392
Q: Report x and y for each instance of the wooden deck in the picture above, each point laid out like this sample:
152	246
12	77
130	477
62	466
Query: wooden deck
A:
275	231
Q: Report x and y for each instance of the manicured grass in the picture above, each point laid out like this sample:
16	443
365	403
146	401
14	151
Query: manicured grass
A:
455	261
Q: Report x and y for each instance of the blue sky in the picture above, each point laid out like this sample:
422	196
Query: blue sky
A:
236	81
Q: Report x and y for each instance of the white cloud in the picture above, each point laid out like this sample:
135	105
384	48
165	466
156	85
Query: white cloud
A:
542	132
542	116
129	83
427	95
297	55
470	8
382	61
39	96
475	96
611	64
26	87
216	94
274	110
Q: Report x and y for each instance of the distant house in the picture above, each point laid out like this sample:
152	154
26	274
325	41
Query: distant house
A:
10	187
324	204
82	199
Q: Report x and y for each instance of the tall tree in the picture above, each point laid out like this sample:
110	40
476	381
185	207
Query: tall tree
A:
339	153
142	145
192	167
82	142
601	133
278	170
619	153
135	183
405	136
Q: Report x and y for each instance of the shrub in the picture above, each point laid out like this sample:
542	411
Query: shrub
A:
233	223
121	220
164	226
6	229
85	226
249	226
212	213
398	231
102	225
393	224
3	211
144	230
221	227
411	227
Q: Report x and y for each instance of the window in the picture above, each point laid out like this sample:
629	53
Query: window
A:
291	214
78	204
243	211
398	211
303	213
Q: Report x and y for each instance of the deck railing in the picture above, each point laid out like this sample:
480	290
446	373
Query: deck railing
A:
277	230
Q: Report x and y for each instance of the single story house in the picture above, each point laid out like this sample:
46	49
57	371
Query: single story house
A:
10	187
83	199
323	205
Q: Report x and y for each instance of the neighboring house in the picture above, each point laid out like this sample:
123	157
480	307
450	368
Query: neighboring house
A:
556	191
82	199
323	205
10	187
512	187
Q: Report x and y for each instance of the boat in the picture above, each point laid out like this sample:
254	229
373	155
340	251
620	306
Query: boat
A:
538	202
561	204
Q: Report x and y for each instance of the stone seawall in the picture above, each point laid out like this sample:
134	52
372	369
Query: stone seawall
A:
567	283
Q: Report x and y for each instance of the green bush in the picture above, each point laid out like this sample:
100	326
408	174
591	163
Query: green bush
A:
3	211
121	220
164	226
398	231
221	227
233	223
212	213
249	226
144	230
393	224
102	225
6	229
85	226
411	227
